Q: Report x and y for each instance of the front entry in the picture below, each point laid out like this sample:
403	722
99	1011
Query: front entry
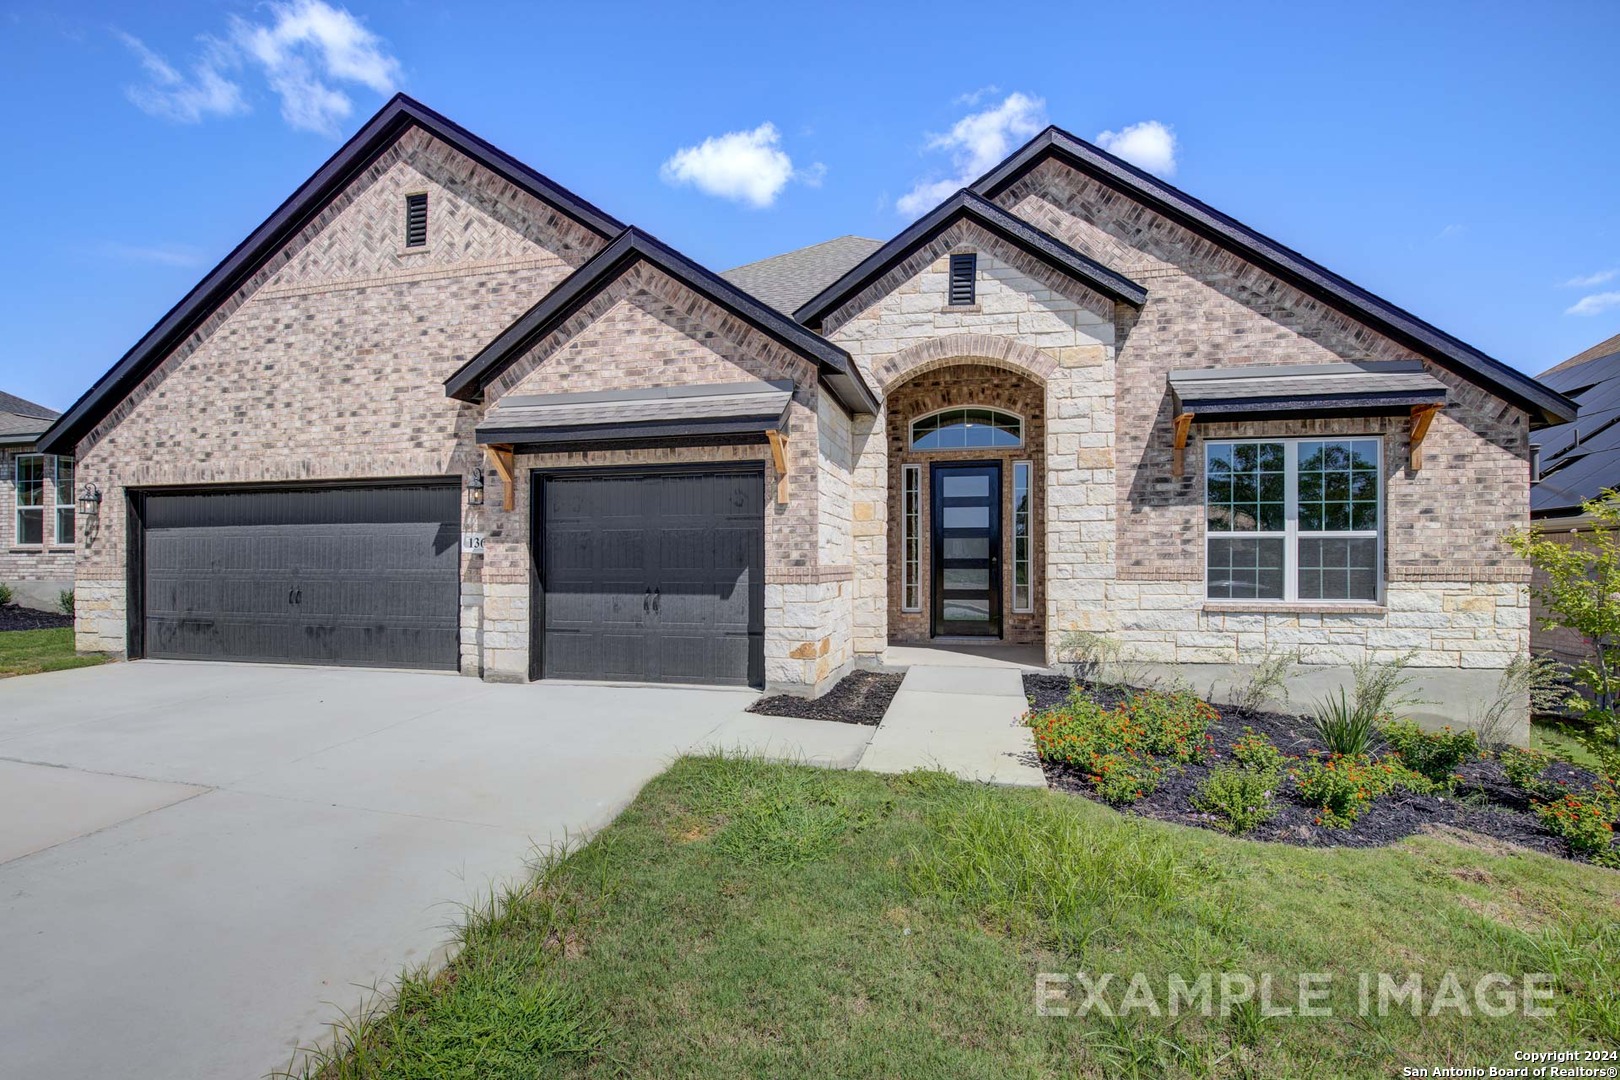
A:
966	501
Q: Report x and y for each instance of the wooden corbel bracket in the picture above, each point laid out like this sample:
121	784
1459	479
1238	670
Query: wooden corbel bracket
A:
1422	417
778	443
1178	466
500	458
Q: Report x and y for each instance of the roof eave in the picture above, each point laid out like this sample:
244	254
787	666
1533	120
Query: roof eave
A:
1545	406
1014	230
288	219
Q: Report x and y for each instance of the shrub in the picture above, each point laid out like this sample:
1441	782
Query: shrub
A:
1266	681
1240	796
6	594
1532	680
1257	752
1342	786
1585	823
1344	727
1523	768
1115	747
64	601
1434	755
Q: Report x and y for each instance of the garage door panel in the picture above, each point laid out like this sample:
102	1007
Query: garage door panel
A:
353	576
694	541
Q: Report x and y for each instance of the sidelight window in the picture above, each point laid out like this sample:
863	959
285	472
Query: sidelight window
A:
911	538
1023	588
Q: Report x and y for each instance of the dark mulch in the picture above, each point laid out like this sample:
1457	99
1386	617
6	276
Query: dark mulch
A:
1484	802
861	697
15	617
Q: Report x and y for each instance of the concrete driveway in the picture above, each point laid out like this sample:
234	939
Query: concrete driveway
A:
200	864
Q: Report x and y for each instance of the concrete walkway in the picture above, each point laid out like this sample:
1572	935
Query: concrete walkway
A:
958	711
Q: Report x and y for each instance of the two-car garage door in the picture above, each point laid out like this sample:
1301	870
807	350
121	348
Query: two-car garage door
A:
359	576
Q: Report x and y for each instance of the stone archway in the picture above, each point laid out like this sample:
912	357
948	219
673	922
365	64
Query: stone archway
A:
985	349
922	383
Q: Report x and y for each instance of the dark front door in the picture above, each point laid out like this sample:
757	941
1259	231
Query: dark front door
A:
652	576
365	576
967	550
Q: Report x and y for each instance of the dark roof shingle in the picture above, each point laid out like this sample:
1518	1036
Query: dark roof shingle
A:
786	281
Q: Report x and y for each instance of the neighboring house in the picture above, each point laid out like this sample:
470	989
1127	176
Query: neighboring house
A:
1577	462
36	507
439	412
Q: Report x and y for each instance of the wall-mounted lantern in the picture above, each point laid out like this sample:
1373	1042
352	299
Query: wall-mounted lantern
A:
475	487
89	501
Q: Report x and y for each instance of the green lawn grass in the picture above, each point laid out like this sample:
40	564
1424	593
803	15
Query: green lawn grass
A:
1555	738
743	919
28	652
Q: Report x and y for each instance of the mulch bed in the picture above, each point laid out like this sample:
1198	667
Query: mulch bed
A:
1484	802
16	617
861	697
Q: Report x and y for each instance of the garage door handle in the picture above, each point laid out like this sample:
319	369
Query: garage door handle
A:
658	595
646	601
300	599
289	596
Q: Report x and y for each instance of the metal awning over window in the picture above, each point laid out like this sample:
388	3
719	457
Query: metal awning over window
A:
1360	387
661	414
1355	388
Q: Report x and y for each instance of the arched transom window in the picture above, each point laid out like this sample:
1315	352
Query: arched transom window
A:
967	428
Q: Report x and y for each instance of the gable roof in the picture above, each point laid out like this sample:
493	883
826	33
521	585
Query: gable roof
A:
1581	458
785	281
967	205
632	246
21	420
1544	404
379	133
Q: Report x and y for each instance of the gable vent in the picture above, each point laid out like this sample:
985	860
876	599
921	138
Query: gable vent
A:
416	220
964	268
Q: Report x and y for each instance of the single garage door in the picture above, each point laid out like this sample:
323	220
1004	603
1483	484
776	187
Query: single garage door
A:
652	576
360	576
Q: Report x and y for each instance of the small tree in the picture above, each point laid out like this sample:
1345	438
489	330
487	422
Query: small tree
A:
1581	592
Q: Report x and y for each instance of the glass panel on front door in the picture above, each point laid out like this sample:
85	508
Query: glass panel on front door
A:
966	513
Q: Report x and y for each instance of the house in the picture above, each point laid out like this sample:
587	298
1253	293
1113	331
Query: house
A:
37	507
1575	463
439	412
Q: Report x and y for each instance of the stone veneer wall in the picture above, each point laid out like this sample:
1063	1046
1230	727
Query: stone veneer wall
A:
647	330
328	364
966	384
1455	594
1031	320
35	574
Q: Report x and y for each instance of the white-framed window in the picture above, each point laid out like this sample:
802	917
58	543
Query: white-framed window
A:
1023	538
967	428
1294	519
911	538
44	498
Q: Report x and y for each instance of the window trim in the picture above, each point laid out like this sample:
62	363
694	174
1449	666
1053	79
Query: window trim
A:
17	506
911	429
1024	475
910	532
1291	532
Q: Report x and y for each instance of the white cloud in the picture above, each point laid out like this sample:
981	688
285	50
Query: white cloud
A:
158	254
306	52
1149	145
746	166
1586	281
1595	304
310	46
185	99
976	142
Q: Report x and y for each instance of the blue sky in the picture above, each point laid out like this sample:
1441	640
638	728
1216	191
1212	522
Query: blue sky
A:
1462	160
